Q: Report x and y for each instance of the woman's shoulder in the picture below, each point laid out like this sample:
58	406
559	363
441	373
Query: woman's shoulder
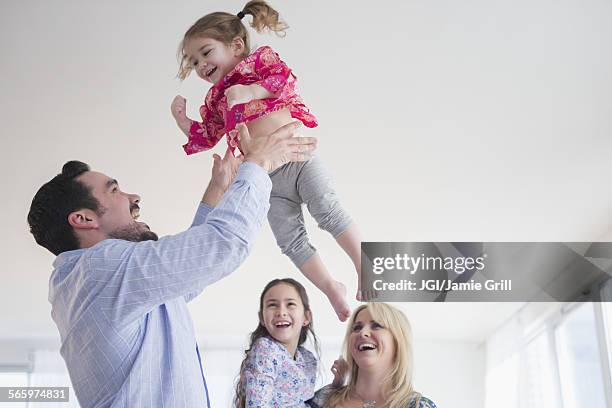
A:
423	402
321	396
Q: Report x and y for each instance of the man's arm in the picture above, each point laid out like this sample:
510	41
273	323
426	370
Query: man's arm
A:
223	174
139	276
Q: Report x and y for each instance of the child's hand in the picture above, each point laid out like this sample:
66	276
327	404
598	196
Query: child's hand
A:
339	370
178	108
238	94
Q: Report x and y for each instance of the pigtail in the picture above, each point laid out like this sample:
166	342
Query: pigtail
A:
224	27
265	18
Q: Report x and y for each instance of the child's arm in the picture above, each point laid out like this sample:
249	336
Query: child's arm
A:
179	109
238	94
273	74
201	135
259	375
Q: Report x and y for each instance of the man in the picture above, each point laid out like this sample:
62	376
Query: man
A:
119	294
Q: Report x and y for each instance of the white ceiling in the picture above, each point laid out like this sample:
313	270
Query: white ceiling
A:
440	121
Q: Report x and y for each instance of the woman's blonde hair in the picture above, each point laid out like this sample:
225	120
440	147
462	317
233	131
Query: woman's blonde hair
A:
225	27
397	385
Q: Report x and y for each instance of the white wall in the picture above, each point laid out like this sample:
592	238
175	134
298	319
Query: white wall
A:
451	372
440	121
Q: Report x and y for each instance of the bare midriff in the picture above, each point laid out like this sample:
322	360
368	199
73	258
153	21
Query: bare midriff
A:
270	122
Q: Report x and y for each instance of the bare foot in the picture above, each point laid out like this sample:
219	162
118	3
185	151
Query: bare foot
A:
337	297
365	295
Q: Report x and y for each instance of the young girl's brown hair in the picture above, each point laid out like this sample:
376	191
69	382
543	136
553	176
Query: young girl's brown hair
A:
261	331
225	27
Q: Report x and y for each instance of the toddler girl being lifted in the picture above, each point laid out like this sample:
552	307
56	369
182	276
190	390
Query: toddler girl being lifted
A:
258	89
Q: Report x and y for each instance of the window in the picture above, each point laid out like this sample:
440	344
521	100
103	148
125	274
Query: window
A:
539	385
606	313
607	318
13	379
560	357
580	365
502	384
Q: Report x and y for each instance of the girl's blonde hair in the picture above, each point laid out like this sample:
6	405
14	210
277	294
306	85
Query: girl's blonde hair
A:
225	27
397	385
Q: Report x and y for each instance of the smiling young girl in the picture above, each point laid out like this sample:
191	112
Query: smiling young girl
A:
277	371
257	88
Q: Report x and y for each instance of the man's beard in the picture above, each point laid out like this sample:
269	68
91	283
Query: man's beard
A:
134	233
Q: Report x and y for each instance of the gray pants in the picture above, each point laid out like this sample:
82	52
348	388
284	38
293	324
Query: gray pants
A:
296	183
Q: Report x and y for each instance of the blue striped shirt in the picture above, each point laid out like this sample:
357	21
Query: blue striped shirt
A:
121	307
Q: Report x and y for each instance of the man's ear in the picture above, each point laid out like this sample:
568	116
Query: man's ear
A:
83	219
238	47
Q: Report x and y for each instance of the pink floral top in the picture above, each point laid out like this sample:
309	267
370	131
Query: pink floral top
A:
274	379
263	67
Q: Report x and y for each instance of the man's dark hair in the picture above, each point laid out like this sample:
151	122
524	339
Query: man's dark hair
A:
54	201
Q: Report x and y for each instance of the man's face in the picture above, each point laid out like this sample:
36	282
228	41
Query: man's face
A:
118	210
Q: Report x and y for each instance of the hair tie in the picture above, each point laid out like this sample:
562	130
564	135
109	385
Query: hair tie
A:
240	15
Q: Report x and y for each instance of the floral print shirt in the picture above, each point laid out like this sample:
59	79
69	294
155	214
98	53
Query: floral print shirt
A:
321	396
274	379
263	67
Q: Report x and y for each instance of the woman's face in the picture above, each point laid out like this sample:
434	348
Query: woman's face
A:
370	344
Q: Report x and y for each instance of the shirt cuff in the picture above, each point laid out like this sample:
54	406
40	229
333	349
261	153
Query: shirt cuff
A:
256	175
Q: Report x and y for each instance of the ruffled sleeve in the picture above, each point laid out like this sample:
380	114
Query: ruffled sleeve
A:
273	73
206	134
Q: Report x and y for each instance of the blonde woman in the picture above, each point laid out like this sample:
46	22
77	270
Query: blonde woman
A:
378	363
